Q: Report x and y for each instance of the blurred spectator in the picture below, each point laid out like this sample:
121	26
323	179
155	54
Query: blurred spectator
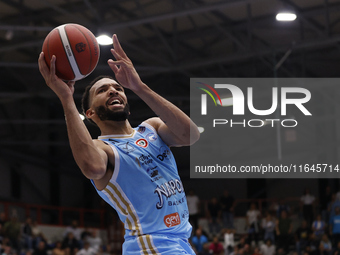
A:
87	250
27	234
84	235
325	199
281	251
268	225
70	244
331	207
268	248
74	229
236	251
1	235
313	244
326	243
216	248
337	250
301	236
12	230
247	250
257	251
7	250
307	201
229	241
35	230
283	229
318	226
214	216
227	204
252	220
41	249
2	220
334	227
199	240
241	243
58	249
282	206
39	238
94	240
321	250
205	250
193	206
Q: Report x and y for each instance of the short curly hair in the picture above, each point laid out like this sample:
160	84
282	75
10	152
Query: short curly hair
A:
85	101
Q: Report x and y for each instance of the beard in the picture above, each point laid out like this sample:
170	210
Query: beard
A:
105	113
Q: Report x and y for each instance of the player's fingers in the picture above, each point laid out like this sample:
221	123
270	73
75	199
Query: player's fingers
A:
52	65
116	54
117	46
71	83
43	68
113	65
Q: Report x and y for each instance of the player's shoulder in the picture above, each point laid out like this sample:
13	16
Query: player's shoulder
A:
155	122
100	144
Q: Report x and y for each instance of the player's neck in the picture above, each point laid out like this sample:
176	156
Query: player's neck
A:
116	127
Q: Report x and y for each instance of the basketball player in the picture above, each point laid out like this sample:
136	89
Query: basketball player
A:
132	169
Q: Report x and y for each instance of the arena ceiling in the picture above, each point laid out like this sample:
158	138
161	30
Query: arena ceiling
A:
169	41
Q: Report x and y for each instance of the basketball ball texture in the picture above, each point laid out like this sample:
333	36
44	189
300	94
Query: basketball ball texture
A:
76	49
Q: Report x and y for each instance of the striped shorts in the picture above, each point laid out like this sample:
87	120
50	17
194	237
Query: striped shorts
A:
156	244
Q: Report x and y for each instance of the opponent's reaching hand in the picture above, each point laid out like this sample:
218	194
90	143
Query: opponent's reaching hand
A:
123	68
62	89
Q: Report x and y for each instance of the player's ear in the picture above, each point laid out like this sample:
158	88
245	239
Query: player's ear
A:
89	113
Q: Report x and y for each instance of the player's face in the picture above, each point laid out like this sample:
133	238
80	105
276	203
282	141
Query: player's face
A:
108	100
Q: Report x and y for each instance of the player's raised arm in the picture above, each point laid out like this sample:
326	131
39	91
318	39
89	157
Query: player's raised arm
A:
173	125
89	155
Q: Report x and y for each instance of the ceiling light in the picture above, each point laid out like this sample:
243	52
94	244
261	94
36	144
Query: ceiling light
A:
285	16
104	40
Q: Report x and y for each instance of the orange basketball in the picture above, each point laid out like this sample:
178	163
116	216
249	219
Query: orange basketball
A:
76	49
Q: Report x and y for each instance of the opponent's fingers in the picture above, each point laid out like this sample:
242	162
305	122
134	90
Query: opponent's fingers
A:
117	46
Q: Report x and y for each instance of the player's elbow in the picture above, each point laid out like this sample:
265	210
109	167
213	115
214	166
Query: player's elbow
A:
194	135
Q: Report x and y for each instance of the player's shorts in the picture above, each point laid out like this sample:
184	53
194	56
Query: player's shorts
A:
156	244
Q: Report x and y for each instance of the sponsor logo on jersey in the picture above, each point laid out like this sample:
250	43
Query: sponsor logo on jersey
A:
172	220
141	129
144	160
142	143
126	147
168	189
164	154
151	137
152	171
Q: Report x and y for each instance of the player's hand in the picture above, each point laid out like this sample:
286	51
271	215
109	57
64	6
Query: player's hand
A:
62	89
123	68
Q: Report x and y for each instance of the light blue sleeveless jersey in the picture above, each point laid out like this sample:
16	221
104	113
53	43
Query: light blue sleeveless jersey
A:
145	188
